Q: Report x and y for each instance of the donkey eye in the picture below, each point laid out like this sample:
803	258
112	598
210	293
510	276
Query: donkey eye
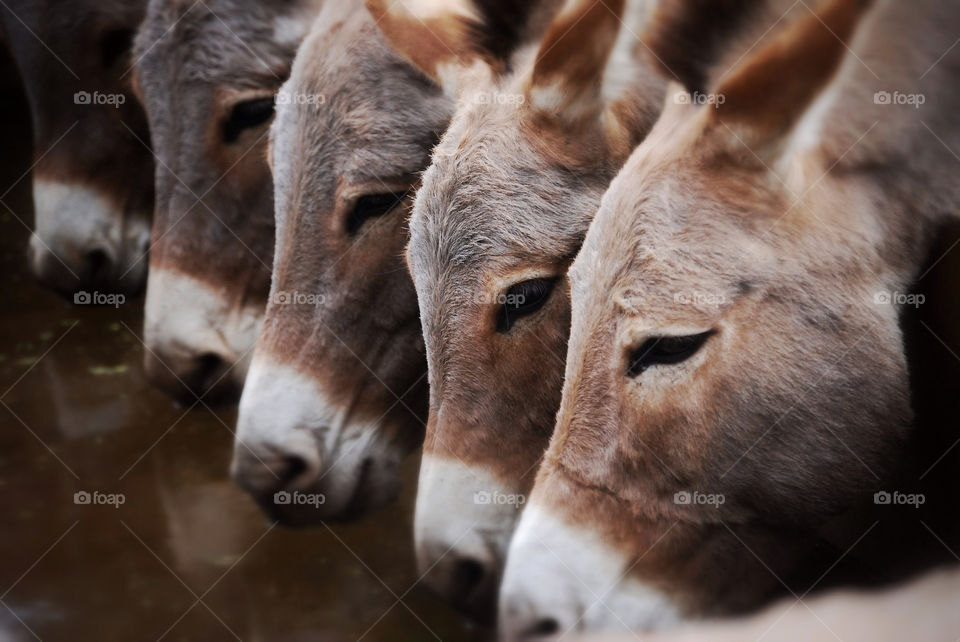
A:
372	206
245	115
665	351
522	299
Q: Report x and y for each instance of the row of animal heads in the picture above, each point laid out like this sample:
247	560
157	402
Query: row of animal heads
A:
595	295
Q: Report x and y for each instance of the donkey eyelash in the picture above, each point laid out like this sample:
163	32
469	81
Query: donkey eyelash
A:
665	350
522	299
372	206
246	115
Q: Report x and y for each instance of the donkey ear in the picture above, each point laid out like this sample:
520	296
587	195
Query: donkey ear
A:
567	77
442	39
772	90
430	35
685	36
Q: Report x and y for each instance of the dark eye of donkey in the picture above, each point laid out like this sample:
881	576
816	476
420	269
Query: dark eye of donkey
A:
522	299
246	115
665	351
372	206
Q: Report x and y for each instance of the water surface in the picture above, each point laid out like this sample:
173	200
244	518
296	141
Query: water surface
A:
186	556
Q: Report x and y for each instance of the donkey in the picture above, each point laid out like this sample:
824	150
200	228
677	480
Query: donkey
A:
336	396
92	178
502	212
736	387
207	73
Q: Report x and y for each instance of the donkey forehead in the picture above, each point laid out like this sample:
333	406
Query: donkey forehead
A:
344	147
495	198
665	263
369	95
660	255
220	41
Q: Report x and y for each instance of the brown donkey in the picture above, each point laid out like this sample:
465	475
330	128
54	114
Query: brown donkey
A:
330	406
501	214
93	179
207	73
736	388
336	397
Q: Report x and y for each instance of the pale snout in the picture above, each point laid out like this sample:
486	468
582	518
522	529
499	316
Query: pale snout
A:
83	242
197	341
463	523
561	578
301	457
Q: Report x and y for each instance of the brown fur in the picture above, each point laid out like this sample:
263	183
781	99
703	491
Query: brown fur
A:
577	44
797	408
429	46
508	197
484	30
756	96
363	345
213	222
62	49
686	36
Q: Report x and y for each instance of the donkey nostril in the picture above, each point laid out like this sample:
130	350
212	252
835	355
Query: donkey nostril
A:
96	265
208	366
543	627
288	469
209	361
467	576
292	467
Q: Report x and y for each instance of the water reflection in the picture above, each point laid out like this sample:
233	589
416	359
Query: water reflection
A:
186	556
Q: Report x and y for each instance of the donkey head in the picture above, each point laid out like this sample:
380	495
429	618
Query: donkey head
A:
731	383
208	73
500	216
337	391
93	177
